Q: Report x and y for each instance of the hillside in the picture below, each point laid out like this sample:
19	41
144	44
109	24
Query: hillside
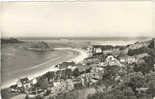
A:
10	40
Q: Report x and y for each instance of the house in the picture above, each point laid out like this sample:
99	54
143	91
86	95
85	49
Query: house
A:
72	67
102	64
97	70
111	60
90	49
100	89
101	48
69	84
141	90
56	84
128	59
92	60
65	65
14	89
24	82
95	76
98	50
77	83
114	52
34	81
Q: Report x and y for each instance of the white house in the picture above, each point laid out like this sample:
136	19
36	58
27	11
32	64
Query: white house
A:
127	59
19	84
102	64
56	84
72	67
141	90
34	81
98	50
110	60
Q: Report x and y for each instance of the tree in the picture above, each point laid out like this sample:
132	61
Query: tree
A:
141	50
143	68
150	81
134	80
151	44
151	89
150	61
76	72
68	73
43	83
111	72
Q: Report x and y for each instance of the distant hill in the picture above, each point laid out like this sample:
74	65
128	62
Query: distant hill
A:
39	46
10	40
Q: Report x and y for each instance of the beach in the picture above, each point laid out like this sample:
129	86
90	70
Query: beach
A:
75	55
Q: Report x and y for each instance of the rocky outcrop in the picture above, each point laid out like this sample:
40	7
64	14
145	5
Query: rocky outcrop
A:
39	46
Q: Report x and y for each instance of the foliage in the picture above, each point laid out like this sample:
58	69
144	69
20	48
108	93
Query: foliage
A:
69	95
150	81
43	83
141	50
6	94
115	94
151	44
39	97
134	80
145	67
111	72
149	60
150	76
76	72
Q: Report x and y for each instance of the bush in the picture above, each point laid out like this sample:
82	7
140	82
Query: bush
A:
141	50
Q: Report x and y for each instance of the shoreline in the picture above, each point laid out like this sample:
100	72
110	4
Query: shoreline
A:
80	56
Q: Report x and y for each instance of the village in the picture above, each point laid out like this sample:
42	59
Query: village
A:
106	66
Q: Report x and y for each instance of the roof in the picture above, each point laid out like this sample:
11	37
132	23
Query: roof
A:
13	86
24	80
141	89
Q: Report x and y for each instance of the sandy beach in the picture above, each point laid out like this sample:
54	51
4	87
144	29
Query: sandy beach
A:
42	68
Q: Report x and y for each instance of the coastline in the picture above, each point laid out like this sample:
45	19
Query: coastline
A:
78	58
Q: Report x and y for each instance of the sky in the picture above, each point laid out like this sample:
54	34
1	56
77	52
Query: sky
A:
77	19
